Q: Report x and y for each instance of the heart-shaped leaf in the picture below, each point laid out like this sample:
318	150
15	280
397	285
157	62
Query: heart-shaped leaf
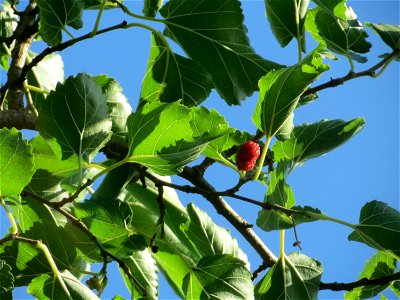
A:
213	34
219	277
379	228
378	266
76	115
300	279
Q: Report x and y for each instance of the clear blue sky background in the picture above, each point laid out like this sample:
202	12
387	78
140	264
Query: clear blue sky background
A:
338	183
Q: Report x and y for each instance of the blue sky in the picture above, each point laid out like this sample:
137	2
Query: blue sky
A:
338	183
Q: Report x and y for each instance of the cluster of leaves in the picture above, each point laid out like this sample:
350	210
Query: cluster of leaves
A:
134	216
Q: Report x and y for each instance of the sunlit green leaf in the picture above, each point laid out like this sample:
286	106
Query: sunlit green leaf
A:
216	148
286	19
109	221
379	227
312	140
16	162
144	269
171	77
299	280
76	115
212	33
6	277
219	277
48	287
390	34
166	137
118	105
380	265
346	37
56	15
280	91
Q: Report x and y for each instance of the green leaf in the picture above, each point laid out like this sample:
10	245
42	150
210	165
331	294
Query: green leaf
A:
166	137
6	277
212	33
209	238
390	34
45	75
189	234
312	140
299	219
25	260
56	15
118	105
57	239
29	212
16	162
144	269
47	154
28	262
279	192
300	279
380	265
345	37
109	220
176	253
280	92
151	7
337	8
114	183
395	287
48	287
219	277
286	19
8	21
75	114
171	77
216	148
379	228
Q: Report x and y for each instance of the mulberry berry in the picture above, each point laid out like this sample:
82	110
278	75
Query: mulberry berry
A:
247	155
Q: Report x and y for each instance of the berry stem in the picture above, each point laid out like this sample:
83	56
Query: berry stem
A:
262	158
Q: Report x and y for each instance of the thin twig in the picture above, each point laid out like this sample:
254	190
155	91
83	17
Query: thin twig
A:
24	71
351	75
336	286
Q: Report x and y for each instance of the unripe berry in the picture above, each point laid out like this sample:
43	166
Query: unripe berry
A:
247	155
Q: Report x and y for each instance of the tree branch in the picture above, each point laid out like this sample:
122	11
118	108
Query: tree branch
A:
18	78
351	75
20	119
335	286
225	210
24	34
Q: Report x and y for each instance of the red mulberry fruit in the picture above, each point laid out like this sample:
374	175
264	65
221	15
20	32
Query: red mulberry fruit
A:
247	155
